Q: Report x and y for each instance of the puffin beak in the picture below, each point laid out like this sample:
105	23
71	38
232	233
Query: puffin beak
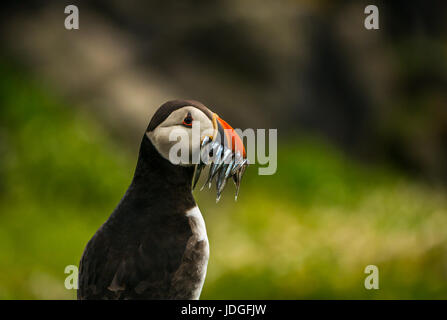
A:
229	137
225	152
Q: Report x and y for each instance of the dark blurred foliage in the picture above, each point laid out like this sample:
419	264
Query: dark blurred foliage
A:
416	128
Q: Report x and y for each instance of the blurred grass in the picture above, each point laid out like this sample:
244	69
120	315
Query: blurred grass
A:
306	232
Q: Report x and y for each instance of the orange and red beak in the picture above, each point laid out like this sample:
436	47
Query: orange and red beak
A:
229	137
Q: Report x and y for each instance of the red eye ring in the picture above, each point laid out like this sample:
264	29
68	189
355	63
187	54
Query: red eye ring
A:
188	120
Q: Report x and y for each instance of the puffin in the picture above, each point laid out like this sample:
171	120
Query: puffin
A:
154	245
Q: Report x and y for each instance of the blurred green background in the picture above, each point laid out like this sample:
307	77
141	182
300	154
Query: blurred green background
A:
362	128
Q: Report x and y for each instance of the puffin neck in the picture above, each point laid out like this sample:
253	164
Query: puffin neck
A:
155	172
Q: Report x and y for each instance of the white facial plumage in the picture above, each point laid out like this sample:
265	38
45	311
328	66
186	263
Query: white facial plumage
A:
168	133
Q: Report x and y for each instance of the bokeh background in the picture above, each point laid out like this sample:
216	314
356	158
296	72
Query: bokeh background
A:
362	128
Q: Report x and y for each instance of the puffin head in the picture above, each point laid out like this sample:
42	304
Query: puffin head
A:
187	125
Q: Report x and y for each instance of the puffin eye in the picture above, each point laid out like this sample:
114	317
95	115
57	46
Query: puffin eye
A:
188	120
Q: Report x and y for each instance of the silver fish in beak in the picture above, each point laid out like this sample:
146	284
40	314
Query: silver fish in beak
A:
225	155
